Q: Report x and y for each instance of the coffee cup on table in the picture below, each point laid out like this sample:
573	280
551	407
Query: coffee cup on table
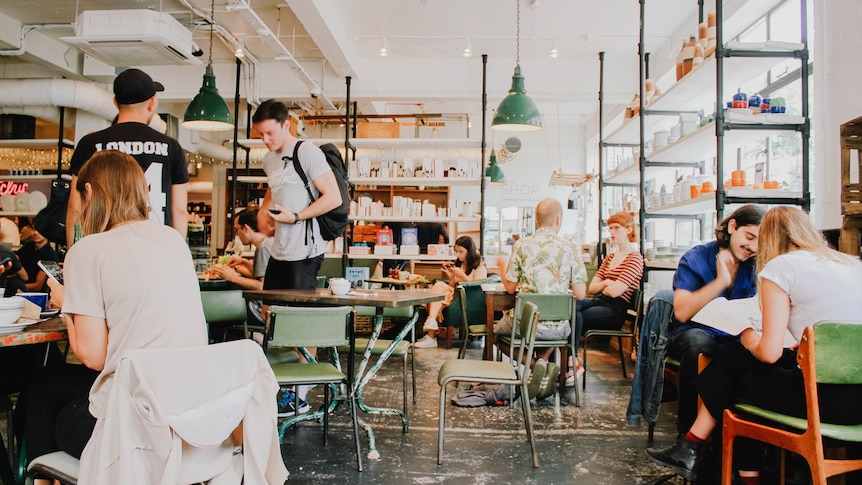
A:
339	286
38	298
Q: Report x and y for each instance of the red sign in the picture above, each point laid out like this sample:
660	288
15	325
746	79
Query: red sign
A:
14	188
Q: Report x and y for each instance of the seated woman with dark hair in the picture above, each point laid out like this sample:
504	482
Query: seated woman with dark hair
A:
468	267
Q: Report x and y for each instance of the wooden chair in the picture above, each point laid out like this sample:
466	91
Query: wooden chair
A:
828	354
494	372
632	317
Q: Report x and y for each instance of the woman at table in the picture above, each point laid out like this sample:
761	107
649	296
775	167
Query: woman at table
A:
801	281
130	284
613	284
467	267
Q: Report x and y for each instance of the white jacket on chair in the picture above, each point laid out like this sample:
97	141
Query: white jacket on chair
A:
170	415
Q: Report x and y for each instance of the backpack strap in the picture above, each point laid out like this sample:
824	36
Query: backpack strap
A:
298	168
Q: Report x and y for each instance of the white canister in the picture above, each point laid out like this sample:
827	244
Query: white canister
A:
660	138
674	133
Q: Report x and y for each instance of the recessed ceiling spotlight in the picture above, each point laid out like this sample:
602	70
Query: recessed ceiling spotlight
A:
240	51
468	49
384	48
554	52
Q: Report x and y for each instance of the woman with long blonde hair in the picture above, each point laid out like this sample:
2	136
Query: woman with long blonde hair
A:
801	281
129	284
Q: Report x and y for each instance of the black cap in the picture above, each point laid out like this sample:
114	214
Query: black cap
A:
133	86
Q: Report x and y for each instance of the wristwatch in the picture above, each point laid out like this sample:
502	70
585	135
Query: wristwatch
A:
296	219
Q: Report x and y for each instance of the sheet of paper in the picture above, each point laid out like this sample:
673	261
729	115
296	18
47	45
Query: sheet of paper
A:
734	316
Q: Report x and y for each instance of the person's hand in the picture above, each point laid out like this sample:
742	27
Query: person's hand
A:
235	260
58	294
725	264
224	271
283	216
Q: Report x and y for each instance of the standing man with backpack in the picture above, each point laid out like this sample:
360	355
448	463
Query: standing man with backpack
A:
298	247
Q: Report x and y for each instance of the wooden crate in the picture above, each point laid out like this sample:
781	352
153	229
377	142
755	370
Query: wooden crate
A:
851	168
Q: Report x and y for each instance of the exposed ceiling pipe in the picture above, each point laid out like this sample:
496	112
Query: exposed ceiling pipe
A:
58	92
47	113
282	53
26	29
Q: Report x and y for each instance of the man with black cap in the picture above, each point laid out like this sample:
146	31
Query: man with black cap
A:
160	156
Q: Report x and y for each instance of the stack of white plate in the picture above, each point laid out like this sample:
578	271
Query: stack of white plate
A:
11	309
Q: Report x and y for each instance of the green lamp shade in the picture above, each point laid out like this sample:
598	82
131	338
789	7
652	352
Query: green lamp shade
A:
208	111
517	112
494	172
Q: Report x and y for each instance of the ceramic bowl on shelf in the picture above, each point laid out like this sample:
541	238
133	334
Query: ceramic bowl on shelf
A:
22	202
7	203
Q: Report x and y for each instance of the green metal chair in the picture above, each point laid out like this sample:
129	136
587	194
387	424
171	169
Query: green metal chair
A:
552	307
494	372
402	349
227	308
326	327
828	354
633	316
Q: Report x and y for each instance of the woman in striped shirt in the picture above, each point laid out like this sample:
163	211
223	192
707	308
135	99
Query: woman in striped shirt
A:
615	281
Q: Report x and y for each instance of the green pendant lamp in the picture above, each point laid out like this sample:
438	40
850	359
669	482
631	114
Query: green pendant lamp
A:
494	172
517	112
208	111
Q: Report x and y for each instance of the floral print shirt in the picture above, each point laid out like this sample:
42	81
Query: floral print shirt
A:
544	262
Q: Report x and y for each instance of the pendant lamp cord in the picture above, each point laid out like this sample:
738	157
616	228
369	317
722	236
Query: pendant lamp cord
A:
518	34
212	26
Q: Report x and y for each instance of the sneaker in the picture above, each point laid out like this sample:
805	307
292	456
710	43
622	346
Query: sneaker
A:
286	405
425	342
430	324
539	370
549	383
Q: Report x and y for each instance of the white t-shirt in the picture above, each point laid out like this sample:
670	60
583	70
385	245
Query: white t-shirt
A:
292	241
141	279
819	289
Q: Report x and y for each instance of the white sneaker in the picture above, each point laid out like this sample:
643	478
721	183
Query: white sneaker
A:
425	342
430	324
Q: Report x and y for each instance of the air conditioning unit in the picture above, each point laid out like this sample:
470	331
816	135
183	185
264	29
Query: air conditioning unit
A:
133	38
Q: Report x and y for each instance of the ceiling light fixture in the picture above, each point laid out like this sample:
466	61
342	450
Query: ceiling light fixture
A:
384	48
208	111
468	49
554	52
494	172
240	52
517	112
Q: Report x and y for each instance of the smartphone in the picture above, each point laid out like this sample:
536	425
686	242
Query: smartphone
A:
52	269
275	211
5	260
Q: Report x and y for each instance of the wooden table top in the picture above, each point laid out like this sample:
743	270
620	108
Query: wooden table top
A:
323	296
48	331
396	281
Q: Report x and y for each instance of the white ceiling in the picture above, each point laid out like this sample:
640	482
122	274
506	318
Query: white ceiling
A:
425	69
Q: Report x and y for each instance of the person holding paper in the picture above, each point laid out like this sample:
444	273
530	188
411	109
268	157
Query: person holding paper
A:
724	267
802	281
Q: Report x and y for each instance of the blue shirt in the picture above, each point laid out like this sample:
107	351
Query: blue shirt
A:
697	268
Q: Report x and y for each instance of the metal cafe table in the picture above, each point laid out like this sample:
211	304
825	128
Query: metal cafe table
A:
379	299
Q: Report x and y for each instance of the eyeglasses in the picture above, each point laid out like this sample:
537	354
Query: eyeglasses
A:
614	227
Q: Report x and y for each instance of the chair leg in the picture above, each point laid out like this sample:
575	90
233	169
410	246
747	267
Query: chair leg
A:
584	378
441	423
528	422
413	371
449	332
404	383
622	356
650	431
465	337
325	411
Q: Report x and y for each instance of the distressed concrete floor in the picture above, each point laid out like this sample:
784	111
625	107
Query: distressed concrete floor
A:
486	445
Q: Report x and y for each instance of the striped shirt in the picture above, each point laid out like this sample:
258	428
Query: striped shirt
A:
629	272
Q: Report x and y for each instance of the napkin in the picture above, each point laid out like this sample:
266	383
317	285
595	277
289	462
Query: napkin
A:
31	311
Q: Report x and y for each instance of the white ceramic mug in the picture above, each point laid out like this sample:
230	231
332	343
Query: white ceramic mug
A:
339	286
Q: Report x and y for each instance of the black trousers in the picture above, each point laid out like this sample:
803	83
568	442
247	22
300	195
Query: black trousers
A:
57	411
734	375
292	275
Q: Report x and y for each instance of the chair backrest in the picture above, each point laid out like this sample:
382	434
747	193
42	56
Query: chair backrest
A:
310	326
635	309
468	303
836	352
224	306
553	307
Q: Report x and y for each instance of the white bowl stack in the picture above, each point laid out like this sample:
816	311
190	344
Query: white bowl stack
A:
11	309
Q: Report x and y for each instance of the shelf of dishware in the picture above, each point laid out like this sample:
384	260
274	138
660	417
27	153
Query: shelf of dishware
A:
36	143
402	257
661	264
706	202
35	178
696	91
416	181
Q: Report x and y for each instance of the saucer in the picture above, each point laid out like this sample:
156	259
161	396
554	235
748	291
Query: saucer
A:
49	313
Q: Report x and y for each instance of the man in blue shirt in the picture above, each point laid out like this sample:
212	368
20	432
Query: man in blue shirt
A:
723	267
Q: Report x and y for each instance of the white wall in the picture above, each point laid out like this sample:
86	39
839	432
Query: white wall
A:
836	57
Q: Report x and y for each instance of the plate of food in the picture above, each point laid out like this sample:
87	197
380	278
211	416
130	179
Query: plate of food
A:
209	276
